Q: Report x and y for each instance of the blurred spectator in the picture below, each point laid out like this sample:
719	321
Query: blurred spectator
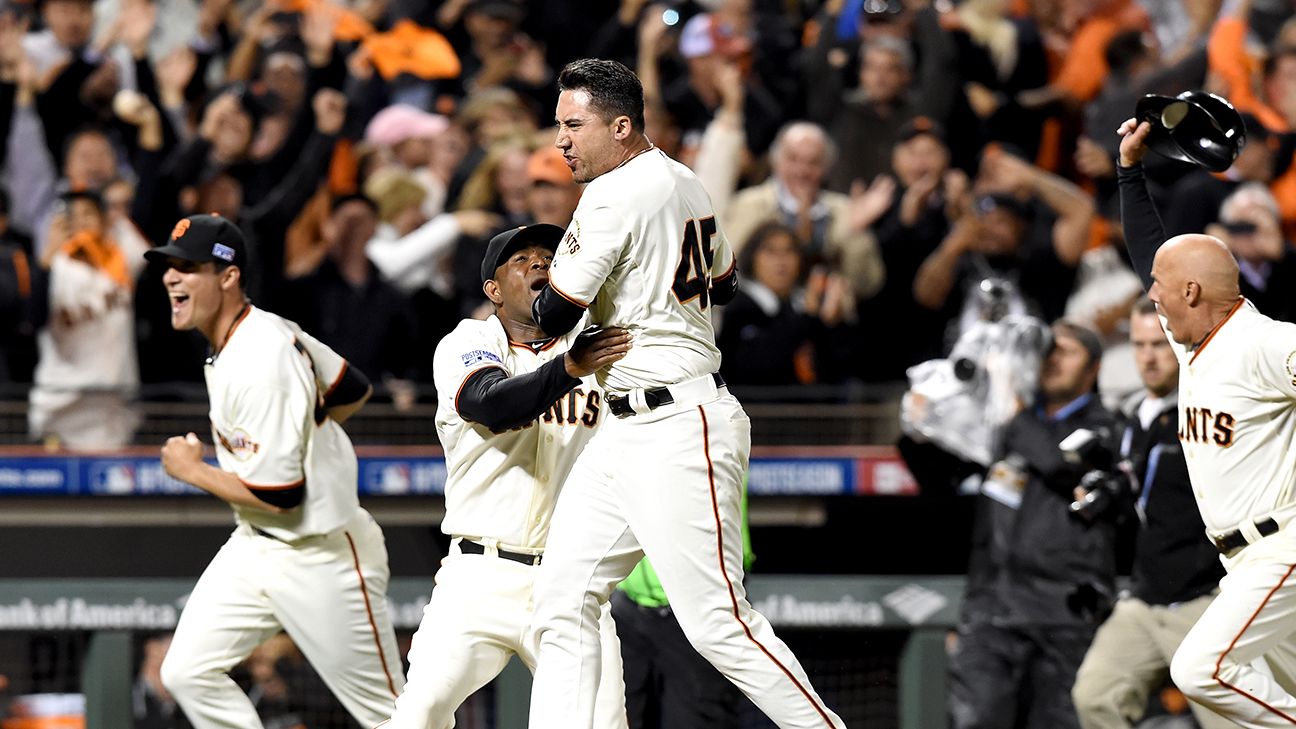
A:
1249	223
88	374
488	116
24	302
835	226
999	56
348	304
777	330
151	704
553	194
1025	233
411	134
708	41
502	55
864	122
928	196
499	185
1042	577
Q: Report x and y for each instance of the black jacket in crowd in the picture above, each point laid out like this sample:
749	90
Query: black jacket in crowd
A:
1040	564
1173	560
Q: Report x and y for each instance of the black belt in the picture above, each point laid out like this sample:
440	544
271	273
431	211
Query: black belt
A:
1231	542
467	547
654	398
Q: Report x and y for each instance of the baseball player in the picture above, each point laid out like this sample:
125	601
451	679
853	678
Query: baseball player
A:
663	477
514	407
1237	424
304	557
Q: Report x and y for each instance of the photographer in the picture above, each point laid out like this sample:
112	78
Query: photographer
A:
1176	569
1042	574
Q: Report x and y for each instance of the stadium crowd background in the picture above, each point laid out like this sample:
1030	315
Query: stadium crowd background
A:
874	161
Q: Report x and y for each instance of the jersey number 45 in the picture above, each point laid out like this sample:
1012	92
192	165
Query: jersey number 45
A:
693	274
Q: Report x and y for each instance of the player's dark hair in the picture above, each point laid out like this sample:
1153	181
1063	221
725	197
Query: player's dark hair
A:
762	233
613	88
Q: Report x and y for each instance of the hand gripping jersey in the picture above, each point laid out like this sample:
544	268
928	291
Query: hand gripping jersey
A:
267	389
503	485
612	259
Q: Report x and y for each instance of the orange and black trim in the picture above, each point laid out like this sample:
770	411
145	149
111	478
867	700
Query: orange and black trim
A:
373	624
247	309
1216	328
724	574
337	380
569	297
1220	662
530	346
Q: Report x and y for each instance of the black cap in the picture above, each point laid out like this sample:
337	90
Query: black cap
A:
510	10
504	244
203	238
920	125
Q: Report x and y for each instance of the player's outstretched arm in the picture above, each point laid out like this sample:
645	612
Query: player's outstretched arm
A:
182	459
595	349
1140	220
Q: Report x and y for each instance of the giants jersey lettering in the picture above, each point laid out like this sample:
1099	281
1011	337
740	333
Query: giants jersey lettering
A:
641	251
1237	417
503	485
269	427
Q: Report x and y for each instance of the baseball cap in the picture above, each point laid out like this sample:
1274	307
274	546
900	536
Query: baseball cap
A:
503	245
696	39
203	238
1001	201
547	165
920	125
400	122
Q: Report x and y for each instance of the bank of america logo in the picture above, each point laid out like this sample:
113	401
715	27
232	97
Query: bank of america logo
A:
915	603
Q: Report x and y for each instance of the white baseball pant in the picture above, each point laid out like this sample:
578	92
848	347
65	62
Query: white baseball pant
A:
328	592
667	483
1239	659
480	615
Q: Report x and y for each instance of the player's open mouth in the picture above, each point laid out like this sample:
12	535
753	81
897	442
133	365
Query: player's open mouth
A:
178	301
539	282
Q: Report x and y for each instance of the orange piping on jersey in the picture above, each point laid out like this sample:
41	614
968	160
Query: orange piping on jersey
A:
469	376
23	271
728	272
273	487
247	309
373	625
529	348
338	380
1216	674
572	299
724	574
1211	335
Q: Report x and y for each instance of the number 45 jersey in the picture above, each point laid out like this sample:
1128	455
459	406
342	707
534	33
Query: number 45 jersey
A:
640	253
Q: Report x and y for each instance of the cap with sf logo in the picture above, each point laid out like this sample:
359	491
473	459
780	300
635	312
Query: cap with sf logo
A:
203	238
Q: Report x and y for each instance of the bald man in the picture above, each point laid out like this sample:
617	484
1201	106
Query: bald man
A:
1237	424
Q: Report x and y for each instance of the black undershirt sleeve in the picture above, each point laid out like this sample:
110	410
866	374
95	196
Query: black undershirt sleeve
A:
554	314
724	289
491	397
1144	232
282	498
353	386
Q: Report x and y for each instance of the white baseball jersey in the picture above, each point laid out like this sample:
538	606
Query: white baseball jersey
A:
502	486
641	251
267	387
1237	417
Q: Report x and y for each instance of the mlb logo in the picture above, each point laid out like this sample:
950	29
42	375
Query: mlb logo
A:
223	252
117	478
